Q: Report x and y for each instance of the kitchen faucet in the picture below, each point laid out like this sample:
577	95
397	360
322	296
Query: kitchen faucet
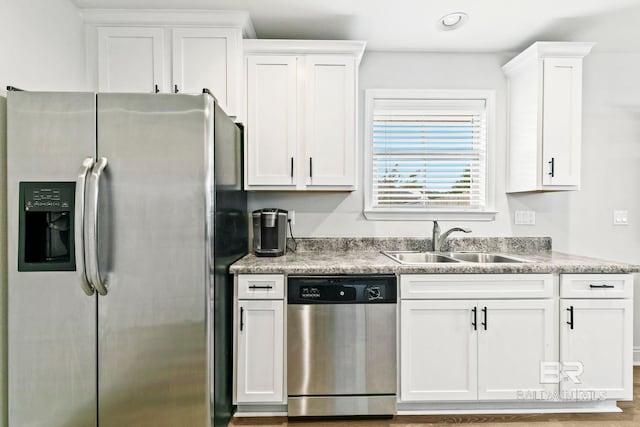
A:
437	239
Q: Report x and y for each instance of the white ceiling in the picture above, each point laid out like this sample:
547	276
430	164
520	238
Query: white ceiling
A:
493	25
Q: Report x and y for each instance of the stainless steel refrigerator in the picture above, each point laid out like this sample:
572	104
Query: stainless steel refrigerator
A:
124	213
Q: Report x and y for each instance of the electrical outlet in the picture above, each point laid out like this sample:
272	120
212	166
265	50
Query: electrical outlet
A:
525	217
620	217
292	217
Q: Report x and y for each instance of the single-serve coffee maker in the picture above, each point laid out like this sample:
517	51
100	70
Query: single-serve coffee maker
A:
270	232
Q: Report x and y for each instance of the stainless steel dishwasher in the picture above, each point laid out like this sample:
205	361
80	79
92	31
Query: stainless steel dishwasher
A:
341	345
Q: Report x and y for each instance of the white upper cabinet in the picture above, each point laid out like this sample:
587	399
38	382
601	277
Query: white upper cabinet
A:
272	86
208	58
330	120
545	117
130	59
301	114
168	51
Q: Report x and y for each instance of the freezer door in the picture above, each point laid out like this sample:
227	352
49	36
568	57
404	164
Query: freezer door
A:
153	257
51	320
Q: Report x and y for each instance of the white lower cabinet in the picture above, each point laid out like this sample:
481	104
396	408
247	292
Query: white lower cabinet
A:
260	351
515	336
596	350
457	350
438	351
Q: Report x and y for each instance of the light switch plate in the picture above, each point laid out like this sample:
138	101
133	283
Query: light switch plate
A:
525	218
621	217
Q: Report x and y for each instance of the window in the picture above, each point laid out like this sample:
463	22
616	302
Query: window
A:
427	154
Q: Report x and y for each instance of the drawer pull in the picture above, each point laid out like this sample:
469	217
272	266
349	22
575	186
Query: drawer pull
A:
260	287
241	318
601	286
570	322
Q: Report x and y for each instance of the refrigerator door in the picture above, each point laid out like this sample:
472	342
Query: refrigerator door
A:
51	320
154	252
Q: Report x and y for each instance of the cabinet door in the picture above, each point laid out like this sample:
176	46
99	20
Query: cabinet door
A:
130	59
515	336
260	371
272	121
597	340
562	122
438	351
330	120
208	58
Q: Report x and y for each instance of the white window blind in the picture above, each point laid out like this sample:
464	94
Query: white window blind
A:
429	155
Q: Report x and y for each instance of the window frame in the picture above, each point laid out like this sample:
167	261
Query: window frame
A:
394	213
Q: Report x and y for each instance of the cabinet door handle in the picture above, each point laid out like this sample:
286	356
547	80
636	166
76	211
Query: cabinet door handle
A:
484	313
260	287
156	89
310	167
474	310
292	167
601	286
570	322
241	318
175	89
552	164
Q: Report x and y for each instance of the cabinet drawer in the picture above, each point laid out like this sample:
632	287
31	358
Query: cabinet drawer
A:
260	286
464	286
596	286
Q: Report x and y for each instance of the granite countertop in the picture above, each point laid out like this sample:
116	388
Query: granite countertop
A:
360	260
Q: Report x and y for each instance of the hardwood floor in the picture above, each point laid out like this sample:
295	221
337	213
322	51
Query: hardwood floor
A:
628	418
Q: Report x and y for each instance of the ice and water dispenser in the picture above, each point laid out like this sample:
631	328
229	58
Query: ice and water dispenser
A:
46	226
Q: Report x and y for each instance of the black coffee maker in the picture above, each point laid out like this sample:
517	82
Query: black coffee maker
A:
270	232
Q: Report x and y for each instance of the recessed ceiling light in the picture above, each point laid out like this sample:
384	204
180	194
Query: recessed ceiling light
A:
453	20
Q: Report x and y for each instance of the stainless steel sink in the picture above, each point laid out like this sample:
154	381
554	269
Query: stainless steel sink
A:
481	257
410	257
414	257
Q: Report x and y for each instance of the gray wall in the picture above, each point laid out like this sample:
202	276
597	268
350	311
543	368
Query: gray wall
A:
42	45
579	222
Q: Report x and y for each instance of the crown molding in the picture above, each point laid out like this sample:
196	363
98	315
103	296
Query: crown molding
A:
301	47
171	17
539	50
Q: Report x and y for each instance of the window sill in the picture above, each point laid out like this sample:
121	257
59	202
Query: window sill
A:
382	215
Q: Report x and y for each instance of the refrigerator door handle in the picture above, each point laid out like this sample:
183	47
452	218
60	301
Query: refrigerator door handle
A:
81	182
91	232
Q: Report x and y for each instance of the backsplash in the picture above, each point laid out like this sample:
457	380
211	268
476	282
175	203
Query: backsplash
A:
375	244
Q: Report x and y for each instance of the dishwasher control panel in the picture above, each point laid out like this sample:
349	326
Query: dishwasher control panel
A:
342	289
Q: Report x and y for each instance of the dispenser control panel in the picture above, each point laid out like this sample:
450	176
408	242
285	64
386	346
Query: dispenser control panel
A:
48	196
